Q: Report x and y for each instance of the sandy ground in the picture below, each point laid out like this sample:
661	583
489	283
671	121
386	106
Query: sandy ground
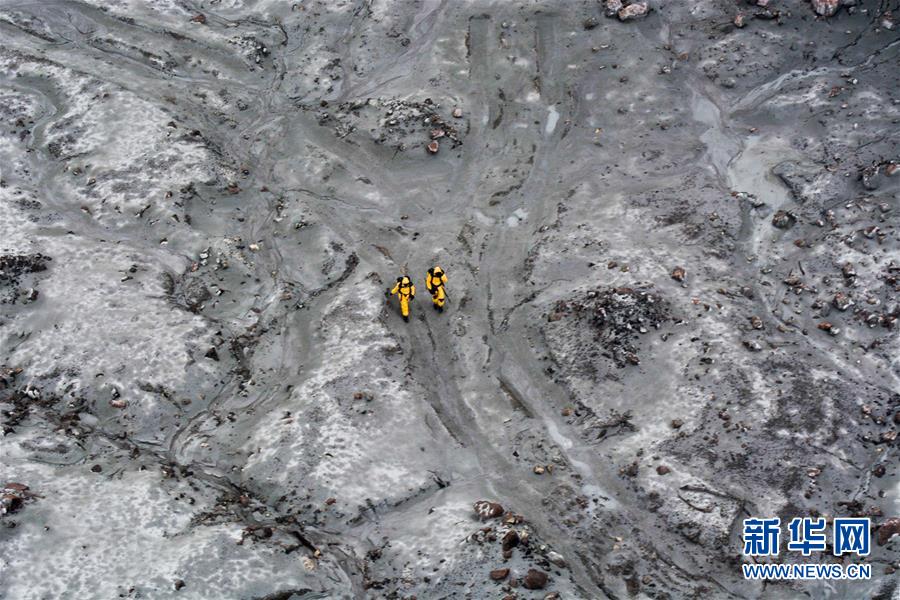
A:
672	249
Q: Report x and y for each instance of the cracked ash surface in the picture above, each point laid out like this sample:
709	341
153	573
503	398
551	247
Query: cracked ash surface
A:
673	255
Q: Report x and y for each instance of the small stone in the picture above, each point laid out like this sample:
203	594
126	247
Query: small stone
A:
825	326
879	471
457	113
117	403
756	322
499	574
538	470
848	271
566	412
739	21
826	8
557	559
535	580
433	147
636	10
199	18
888	529
663	470
437	133
590	23
487	510
842	301
96	469
613	7
10	503
510	540
677	423
752	345
254	247
678	273
783	219
179	583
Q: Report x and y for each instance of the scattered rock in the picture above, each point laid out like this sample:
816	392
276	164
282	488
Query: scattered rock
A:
879	471
849	273
487	510
613	7
557	559
618	316
195	294
9	503
457	113
663	470
826	326
739	20
179	583
826	8
677	423
756	322
499	574
433	147
888	529
590	23
535	580
199	18
842	301
783	219
752	345
510	540
635	10
538	470
13	266
678	273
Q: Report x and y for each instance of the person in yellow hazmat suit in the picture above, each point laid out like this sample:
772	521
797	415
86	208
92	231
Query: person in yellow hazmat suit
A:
405	291
434	283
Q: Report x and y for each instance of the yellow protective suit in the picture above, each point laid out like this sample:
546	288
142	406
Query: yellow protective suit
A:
434	282
405	291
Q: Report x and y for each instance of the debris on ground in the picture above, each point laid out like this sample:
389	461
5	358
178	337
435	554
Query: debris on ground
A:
618	316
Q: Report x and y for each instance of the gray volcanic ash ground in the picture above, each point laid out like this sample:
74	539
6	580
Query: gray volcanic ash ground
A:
673	258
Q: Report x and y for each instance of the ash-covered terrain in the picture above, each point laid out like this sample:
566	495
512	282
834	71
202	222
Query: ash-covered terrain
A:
671	235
